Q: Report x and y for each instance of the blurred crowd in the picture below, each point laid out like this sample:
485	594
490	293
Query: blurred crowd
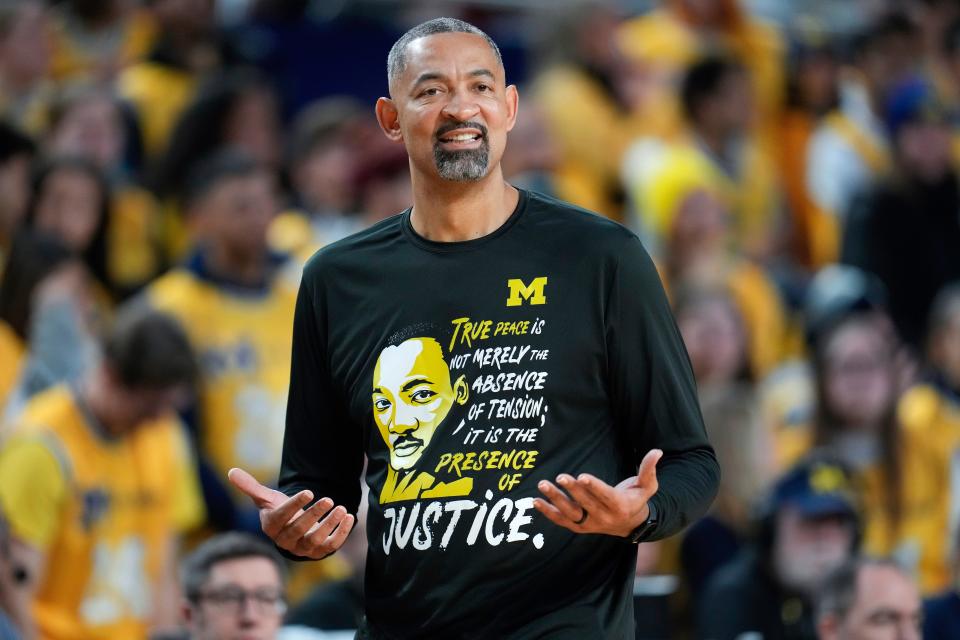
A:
167	166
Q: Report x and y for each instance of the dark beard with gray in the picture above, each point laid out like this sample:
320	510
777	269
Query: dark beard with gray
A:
466	165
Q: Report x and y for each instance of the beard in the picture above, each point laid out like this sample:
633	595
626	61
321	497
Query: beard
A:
466	165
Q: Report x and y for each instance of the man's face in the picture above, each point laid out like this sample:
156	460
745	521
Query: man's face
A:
887	607
236	214
452	107
242	600
411	397
807	549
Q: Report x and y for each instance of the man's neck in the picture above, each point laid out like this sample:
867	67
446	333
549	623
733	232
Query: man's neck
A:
447	211
247	270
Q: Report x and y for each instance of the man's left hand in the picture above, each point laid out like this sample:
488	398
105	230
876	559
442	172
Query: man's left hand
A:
586	504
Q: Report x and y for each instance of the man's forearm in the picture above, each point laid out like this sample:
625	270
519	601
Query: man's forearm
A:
688	483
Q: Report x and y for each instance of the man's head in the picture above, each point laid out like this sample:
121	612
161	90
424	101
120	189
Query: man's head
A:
886	53
813	521
231	199
233	587
869	599
921	130
717	97
449	102
148	370
412	394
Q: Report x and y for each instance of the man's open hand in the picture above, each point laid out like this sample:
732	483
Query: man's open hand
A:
315	532
587	504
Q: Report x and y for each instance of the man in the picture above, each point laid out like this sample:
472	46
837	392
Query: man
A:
808	528
97	482
576	372
235	299
233	587
869	599
412	395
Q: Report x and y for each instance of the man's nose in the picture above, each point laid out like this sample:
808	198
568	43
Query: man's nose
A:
406	419
461	106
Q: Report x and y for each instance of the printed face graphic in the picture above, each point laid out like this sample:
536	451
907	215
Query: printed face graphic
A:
411	397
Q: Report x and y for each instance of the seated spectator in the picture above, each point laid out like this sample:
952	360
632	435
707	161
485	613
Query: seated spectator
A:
807	529
233	587
869	599
45	333
25	87
235	299
14	610
97	482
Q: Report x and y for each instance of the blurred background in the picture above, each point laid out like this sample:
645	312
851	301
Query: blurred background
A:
791	165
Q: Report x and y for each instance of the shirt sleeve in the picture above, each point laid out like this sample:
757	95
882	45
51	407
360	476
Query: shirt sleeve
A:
33	489
322	447
653	391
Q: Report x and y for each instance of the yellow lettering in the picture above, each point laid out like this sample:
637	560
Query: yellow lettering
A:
533	292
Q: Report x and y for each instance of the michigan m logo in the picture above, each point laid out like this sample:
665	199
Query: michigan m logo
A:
532	292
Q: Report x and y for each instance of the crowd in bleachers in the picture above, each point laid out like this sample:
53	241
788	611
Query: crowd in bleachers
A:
167	167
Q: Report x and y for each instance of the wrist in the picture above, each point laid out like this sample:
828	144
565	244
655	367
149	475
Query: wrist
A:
648	519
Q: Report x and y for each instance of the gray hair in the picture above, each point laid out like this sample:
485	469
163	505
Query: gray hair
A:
196	569
397	58
839	590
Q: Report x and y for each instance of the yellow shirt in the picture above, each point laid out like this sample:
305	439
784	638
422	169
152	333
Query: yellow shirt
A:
73	58
134	237
244	341
159	94
104	510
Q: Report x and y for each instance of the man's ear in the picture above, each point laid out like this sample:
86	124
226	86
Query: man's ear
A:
389	119
513	105
828	627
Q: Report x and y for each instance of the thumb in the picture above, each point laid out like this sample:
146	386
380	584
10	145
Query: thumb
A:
263	497
647	475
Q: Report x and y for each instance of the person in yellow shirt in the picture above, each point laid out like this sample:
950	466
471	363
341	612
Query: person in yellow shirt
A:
899	463
236	299
97	481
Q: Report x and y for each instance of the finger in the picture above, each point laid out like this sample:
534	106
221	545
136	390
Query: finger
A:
290	534
559	499
263	497
581	494
647	475
600	490
273	520
329	534
553	515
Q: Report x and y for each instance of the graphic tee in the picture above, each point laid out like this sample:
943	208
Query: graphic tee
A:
469	371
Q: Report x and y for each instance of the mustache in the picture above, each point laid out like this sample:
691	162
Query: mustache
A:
453	126
407	439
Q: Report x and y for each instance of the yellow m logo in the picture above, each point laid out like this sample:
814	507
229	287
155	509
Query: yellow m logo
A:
532	292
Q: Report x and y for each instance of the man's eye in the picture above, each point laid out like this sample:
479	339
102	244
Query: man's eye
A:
382	404
483	87
432	91
423	395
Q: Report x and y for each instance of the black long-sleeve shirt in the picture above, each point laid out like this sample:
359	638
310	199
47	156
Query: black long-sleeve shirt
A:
467	372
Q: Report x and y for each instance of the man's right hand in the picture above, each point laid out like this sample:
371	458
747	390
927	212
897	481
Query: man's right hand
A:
314	533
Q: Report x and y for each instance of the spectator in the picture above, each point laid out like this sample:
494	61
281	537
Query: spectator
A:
95	39
808	528
943	346
900	468
43	331
96	480
89	122
907	230
187	49
235	300
16	154
233	586
70	200
849	151
588	105
869	598
941	613
24	64
235	110
718	141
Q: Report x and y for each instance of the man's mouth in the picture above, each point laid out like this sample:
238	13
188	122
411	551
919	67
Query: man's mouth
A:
406	445
465	136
